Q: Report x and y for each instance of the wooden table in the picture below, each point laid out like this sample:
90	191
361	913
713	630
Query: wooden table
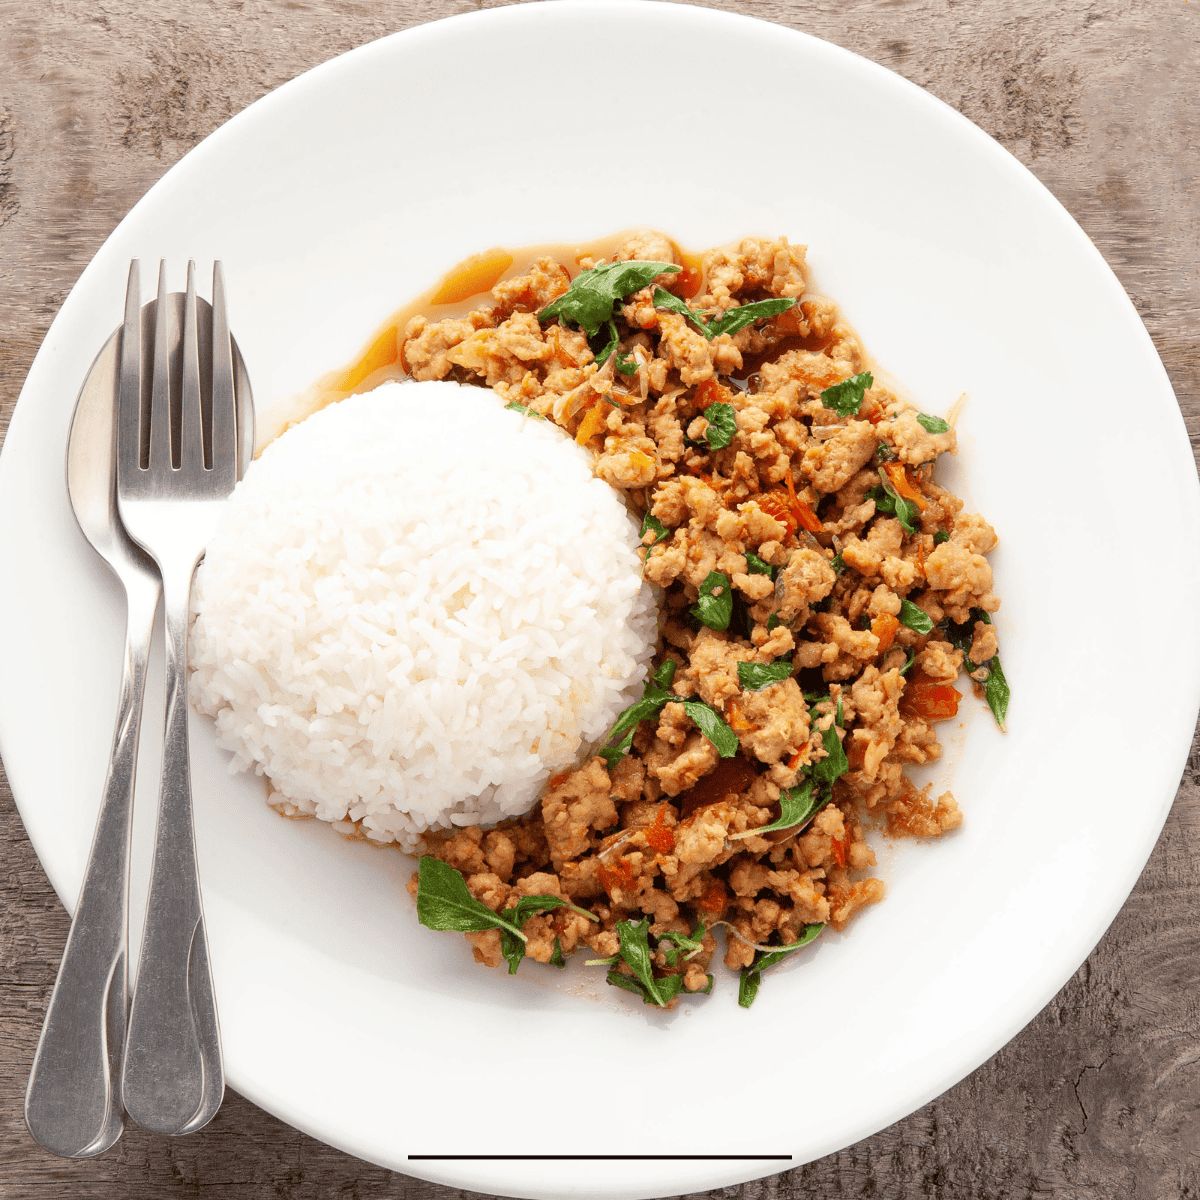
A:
1099	1096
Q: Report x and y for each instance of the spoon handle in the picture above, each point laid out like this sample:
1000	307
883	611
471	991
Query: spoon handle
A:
72	1102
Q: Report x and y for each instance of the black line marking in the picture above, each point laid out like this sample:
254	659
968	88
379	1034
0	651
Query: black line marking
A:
603	1157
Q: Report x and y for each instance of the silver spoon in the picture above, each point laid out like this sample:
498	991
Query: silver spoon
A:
72	1104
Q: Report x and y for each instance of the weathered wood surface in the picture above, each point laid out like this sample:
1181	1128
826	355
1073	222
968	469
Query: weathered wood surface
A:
1097	1098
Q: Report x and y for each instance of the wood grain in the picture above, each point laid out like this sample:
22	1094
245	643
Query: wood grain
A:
1097	1098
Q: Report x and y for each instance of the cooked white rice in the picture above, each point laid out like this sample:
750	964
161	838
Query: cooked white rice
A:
417	607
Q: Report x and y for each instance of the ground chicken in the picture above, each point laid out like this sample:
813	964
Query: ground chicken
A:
830	596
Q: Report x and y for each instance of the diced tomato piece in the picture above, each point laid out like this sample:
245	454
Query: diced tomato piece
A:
899	478
713	899
660	837
930	700
884	628
688	282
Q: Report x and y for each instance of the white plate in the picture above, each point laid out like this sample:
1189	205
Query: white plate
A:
352	188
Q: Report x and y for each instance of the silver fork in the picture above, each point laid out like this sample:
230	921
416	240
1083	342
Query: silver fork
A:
172	1079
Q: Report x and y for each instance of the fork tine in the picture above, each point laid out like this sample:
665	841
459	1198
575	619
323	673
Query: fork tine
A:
191	442
224	401
129	394
160	388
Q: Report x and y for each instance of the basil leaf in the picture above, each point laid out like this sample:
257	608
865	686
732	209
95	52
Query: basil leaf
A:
889	501
445	903
995	687
755	676
712	726
756	566
710	610
641	710
601	350
915	618
932	424
665	675
912	657
661	532
940	537
752	975
735	319
838	563
773	621
613	754
525	410
654	698
513	950
722	425
664	299
846	398
996	691
557	959
835	764
692	942
528	906
798	806
635	951
590	299
626	364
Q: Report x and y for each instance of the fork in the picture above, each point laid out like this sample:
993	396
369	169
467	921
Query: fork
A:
171	486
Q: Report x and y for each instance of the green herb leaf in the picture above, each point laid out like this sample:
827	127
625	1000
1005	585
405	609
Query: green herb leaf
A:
912	656
932	424
635	951
722	425
601	350
528	906
513	950
693	943
557	959
650	705
756	566
835	764
525	410
714	610
626	364
846	398
665	675
889	501
996	691
838	563
735	319
712	726
773	621
444	903
661	532
914	617
756	676
752	975
592	296
797	805
940	537
664	299
612	754
995	687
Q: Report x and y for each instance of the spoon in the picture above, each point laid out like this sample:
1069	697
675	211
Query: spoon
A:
72	1104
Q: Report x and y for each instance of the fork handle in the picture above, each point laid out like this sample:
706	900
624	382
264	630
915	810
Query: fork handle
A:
172	1078
71	1102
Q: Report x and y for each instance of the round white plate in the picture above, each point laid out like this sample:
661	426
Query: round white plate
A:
352	188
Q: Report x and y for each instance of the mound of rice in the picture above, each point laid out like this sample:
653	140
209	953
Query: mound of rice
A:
417	607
